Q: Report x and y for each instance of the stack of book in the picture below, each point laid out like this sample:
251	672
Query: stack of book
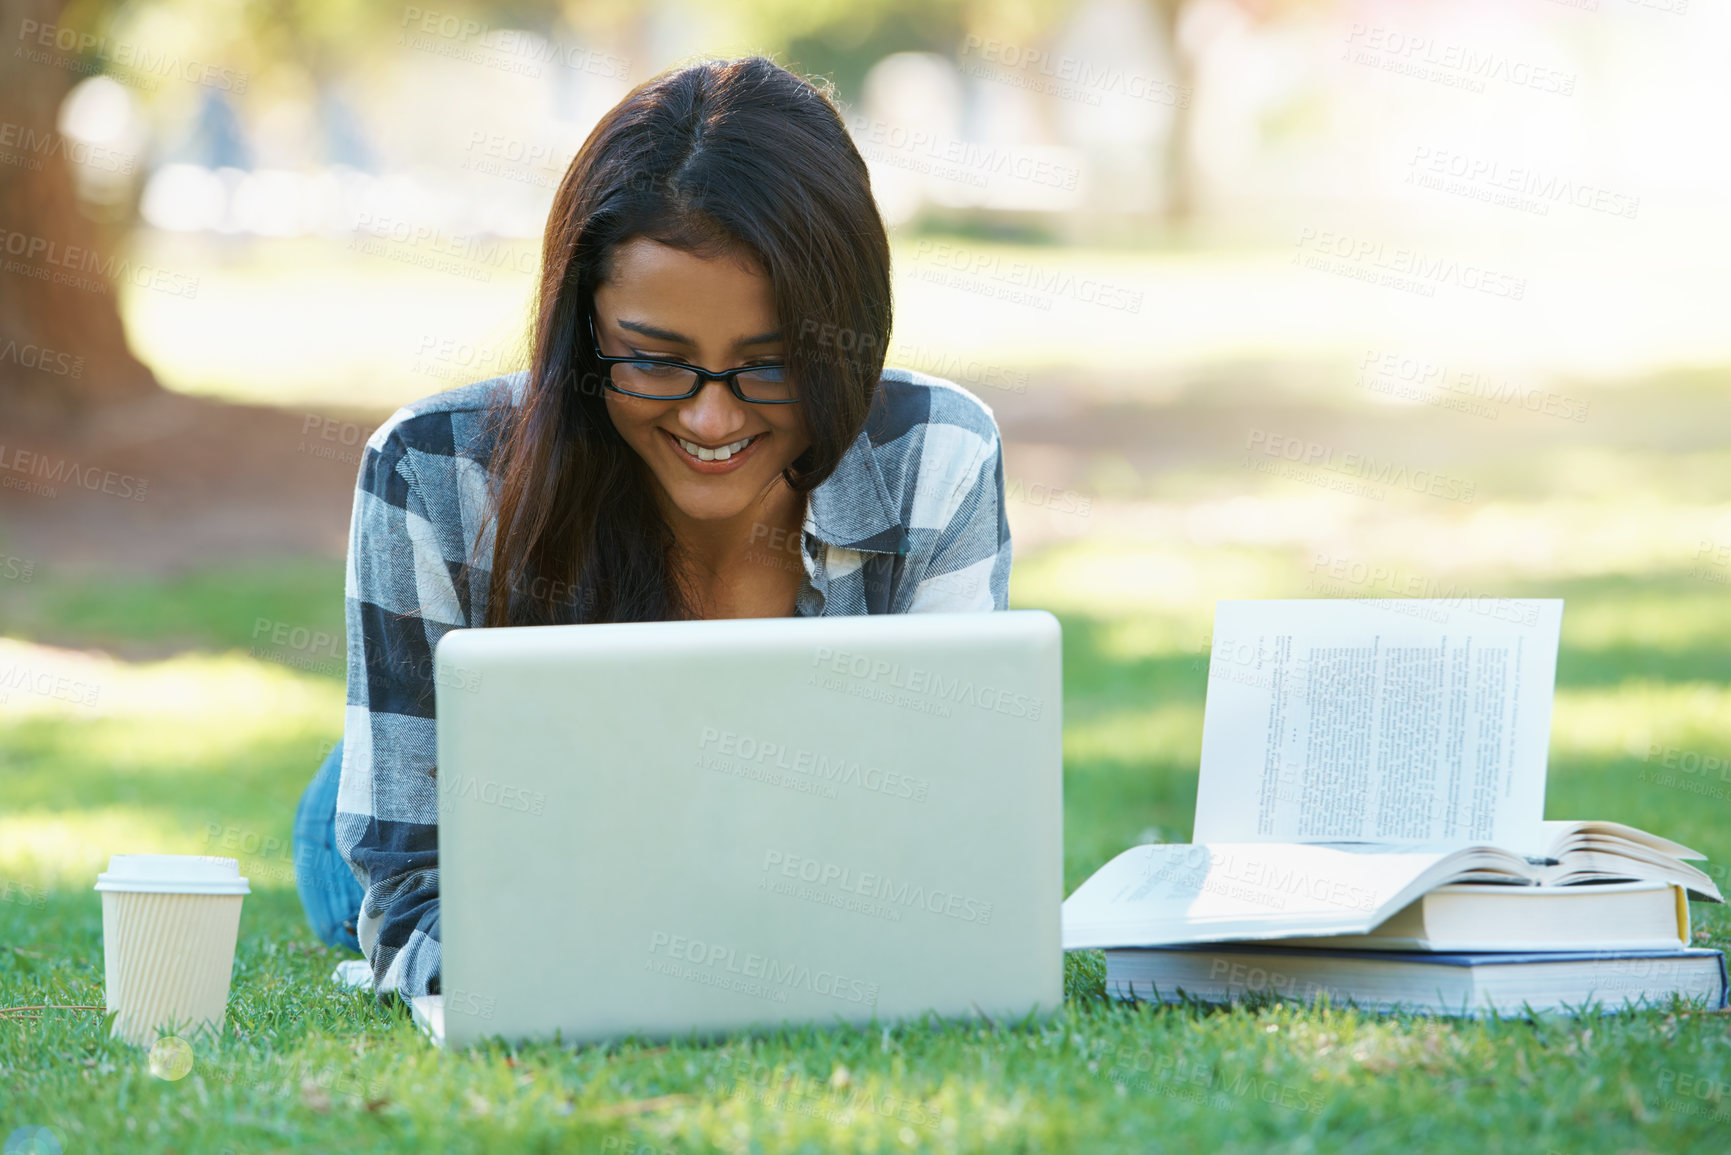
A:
1369	830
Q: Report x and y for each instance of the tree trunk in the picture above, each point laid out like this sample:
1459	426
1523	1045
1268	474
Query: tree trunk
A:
1179	161
63	348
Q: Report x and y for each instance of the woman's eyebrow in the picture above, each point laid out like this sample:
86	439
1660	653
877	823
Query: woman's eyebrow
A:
669	335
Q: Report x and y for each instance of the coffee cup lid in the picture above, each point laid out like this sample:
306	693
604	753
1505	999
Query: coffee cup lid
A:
172	874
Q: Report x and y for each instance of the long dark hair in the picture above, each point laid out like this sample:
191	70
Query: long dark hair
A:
739	158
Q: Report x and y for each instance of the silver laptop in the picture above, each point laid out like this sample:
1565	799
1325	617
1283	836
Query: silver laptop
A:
675	828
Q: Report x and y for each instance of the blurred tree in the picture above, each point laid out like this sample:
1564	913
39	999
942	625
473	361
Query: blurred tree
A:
1188	39
56	43
1179	161
42	232
842	39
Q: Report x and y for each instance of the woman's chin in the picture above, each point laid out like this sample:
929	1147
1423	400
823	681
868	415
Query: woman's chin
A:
711	501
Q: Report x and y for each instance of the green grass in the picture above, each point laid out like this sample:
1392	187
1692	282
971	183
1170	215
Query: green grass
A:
231	608
206	752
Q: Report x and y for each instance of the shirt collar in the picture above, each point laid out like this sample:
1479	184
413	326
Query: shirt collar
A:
851	507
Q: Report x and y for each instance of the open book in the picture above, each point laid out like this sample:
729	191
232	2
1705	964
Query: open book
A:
1217	892
1357	755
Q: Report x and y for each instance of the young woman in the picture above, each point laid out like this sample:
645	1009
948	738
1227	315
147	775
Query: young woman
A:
705	430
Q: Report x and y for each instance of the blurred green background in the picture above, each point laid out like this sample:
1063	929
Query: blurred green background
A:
1157	237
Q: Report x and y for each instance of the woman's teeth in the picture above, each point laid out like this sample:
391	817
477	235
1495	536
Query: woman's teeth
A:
721	454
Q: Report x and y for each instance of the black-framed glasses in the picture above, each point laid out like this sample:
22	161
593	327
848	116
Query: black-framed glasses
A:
659	379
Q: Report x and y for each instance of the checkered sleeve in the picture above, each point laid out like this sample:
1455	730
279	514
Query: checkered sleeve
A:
400	598
963	562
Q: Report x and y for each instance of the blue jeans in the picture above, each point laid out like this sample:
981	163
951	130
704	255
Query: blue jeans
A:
328	889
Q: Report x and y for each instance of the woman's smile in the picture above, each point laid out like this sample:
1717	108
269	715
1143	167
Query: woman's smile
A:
719	459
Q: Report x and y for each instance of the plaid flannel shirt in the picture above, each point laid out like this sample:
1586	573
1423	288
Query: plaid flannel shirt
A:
911	520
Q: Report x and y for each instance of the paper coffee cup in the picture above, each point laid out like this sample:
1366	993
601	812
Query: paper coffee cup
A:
169	925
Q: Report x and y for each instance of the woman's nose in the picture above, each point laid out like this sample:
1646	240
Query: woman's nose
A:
713	413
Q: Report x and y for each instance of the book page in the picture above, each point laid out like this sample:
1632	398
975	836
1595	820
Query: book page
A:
1569	834
1380	720
1160	895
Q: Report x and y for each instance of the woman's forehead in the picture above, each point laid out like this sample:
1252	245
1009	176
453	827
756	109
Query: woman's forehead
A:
686	297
